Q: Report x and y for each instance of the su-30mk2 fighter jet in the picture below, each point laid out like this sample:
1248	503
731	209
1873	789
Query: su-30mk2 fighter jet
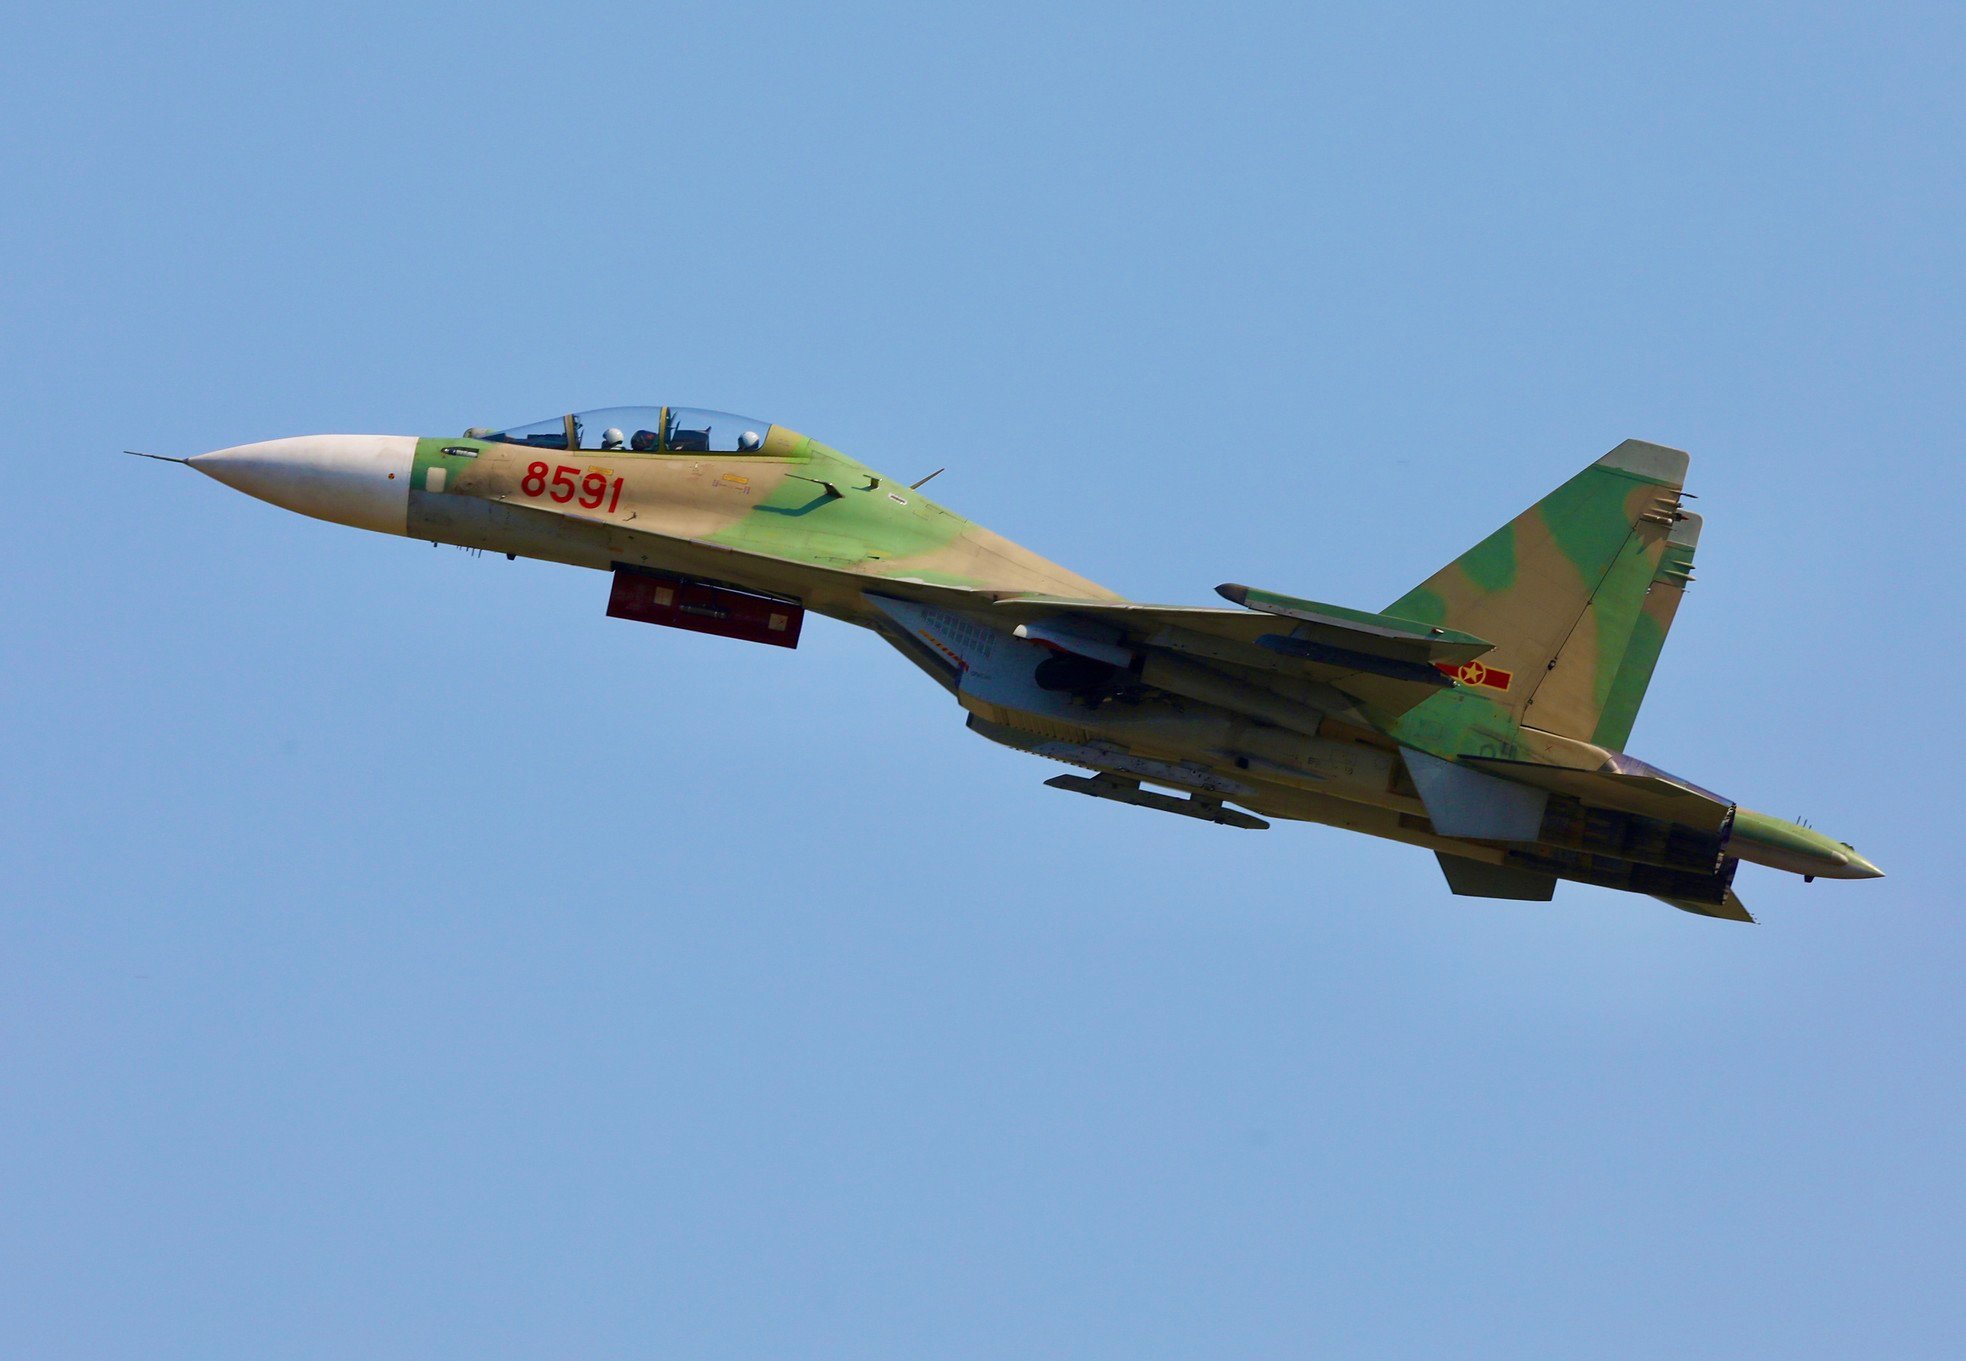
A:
1482	715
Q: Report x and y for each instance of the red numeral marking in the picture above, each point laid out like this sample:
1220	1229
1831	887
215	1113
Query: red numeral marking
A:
592	489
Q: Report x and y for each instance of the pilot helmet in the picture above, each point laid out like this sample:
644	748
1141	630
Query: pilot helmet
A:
612	438
749	441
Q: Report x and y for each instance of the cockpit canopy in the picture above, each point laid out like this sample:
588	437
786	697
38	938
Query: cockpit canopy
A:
641	429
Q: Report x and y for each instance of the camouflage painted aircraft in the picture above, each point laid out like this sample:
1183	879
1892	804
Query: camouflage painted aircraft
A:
1482	715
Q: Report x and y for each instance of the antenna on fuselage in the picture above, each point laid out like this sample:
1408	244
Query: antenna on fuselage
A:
917	486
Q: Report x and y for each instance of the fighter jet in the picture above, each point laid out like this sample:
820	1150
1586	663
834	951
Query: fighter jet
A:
1482	715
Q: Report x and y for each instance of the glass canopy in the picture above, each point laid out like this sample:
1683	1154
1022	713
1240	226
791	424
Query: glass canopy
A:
642	429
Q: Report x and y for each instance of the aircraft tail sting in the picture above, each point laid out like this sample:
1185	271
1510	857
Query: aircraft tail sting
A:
1482	715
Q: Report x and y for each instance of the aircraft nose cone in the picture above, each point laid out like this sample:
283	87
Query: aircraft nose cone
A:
360	480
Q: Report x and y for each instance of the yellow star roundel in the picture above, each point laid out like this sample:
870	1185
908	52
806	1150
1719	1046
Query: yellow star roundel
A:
1478	673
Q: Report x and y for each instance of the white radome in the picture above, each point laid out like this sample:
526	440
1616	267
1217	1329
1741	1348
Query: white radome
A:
359	480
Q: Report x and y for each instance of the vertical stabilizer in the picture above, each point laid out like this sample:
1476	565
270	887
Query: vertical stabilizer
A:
1560	591
1648	639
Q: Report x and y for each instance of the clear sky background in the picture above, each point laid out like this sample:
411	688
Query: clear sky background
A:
401	959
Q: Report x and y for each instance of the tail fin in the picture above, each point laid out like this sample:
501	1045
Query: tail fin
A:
1560	591
1654	622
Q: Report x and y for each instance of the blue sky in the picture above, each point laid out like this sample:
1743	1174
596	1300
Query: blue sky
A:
402	959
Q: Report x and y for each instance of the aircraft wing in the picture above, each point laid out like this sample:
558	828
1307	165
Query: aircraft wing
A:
1387	663
1383	663
1355	632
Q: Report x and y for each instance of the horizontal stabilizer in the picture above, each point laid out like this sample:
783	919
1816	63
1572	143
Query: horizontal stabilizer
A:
1477	879
1633	787
1730	909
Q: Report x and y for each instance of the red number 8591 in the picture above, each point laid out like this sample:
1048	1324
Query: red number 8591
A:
592	489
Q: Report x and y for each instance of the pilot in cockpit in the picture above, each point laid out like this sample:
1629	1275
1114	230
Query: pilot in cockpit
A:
612	438
688	441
